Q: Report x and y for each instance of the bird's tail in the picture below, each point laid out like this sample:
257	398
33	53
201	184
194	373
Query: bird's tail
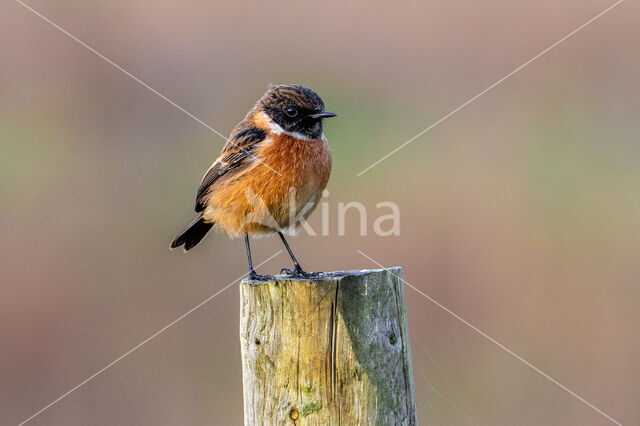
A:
191	236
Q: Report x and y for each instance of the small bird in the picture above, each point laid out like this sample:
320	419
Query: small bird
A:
270	174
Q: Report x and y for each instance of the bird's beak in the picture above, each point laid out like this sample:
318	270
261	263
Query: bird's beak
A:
323	114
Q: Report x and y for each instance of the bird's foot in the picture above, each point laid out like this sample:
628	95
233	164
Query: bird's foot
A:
297	272
257	277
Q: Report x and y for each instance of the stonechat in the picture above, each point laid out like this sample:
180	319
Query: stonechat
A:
270	174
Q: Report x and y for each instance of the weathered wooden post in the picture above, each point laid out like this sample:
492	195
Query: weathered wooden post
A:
327	351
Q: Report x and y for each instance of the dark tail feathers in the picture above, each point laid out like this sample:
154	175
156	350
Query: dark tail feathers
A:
191	236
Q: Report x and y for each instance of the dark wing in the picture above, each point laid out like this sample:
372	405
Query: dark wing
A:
237	151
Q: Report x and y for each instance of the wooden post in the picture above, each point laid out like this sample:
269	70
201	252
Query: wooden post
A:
327	351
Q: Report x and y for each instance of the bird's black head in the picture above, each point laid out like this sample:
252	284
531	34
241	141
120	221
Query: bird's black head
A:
296	109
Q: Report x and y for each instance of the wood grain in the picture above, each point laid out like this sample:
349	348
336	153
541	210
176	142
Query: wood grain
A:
327	351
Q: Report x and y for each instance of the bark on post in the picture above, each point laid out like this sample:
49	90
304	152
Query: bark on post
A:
327	351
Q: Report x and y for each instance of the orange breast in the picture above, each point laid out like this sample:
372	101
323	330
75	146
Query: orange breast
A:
286	181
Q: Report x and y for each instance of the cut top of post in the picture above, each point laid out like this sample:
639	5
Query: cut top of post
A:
327	276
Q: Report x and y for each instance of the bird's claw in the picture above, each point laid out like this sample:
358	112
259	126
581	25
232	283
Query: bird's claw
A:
257	277
299	273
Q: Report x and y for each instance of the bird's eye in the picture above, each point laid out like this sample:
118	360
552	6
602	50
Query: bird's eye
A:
291	111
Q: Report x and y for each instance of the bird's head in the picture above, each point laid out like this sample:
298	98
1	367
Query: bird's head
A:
294	109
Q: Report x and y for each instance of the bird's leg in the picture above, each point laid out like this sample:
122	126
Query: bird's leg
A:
297	269
252	272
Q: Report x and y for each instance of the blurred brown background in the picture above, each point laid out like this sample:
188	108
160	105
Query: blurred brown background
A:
521	212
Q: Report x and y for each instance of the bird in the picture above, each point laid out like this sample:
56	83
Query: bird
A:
269	176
